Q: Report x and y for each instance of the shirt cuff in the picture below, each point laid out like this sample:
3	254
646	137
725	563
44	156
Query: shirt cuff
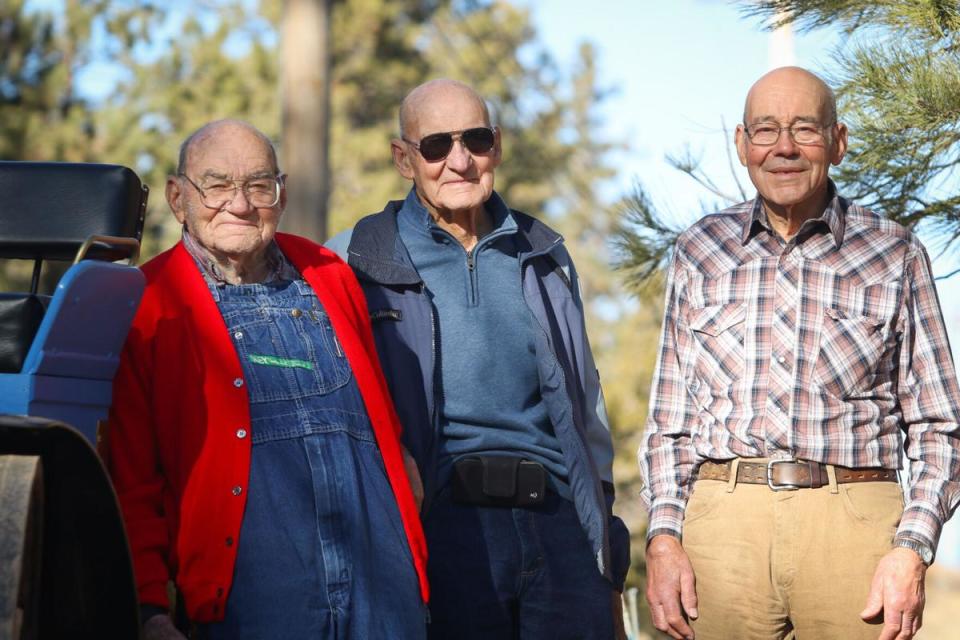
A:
921	523
666	517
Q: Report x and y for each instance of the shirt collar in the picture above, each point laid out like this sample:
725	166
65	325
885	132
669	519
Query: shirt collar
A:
833	216
279	267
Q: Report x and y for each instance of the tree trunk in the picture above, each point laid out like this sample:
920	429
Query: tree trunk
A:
305	99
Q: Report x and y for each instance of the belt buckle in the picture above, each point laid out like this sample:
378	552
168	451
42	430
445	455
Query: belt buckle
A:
779	487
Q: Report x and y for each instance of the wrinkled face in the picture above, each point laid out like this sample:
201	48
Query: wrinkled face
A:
462	181
237	228
787	174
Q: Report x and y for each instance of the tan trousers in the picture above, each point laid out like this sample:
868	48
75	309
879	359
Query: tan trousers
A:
790	564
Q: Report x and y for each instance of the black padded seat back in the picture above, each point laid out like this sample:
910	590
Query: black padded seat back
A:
20	317
49	209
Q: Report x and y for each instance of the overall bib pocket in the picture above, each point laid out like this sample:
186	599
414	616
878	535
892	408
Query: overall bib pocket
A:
289	354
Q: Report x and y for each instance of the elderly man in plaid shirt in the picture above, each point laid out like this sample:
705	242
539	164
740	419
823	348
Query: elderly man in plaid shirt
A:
803	352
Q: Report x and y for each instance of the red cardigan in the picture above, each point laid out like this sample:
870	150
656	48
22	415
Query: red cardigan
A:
178	443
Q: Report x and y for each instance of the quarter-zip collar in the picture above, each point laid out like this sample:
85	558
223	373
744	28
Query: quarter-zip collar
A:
415	212
377	254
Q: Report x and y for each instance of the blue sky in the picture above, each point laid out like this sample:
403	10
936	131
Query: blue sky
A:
678	70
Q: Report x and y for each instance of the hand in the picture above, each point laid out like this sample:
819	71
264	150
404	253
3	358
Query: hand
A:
160	627
671	587
619	633
413	475
897	591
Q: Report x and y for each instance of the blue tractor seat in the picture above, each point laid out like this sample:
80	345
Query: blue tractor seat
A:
59	353
65	569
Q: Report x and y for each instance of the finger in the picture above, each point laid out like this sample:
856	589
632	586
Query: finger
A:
892	624
657	616
678	624
874	602
660	621
907	627
688	594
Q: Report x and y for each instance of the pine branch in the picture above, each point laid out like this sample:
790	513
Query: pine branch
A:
642	240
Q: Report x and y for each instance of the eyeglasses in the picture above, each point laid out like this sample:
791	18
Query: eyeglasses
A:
766	134
216	193
437	146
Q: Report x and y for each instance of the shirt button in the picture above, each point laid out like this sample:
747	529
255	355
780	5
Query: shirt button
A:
238	382
241	433
229	541
781	359
237	490
238	335
296	313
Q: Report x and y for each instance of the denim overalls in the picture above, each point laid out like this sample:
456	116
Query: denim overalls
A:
322	552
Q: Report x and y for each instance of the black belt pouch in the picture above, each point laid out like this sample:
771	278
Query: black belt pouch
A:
498	481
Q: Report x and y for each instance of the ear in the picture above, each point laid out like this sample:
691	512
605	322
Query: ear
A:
174	193
283	192
401	158
839	144
740	139
497	154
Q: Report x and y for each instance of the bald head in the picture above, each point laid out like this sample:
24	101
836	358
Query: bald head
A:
789	81
217	130
429	97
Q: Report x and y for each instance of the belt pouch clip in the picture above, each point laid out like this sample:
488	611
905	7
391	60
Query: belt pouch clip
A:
498	481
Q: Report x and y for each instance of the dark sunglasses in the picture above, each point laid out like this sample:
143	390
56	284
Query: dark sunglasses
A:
437	146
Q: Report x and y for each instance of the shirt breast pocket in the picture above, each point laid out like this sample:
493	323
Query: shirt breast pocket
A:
851	351
288	356
718	332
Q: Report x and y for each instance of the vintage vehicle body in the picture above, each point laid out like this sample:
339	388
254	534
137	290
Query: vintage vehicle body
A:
65	569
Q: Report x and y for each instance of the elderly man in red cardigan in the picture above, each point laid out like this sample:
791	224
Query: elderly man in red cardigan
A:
253	443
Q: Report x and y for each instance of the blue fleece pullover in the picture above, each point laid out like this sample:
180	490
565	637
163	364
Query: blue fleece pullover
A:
491	402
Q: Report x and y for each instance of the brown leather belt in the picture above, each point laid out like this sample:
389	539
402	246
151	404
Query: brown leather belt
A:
782	475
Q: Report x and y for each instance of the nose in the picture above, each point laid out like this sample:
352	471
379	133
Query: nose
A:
785	145
459	158
239	204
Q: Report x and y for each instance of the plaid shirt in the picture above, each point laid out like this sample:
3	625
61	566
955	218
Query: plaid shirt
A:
830	347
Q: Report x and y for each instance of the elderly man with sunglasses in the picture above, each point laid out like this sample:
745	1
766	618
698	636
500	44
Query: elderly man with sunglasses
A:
479	326
803	354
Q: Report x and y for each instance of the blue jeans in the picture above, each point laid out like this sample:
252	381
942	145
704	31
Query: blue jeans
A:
501	573
322	552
